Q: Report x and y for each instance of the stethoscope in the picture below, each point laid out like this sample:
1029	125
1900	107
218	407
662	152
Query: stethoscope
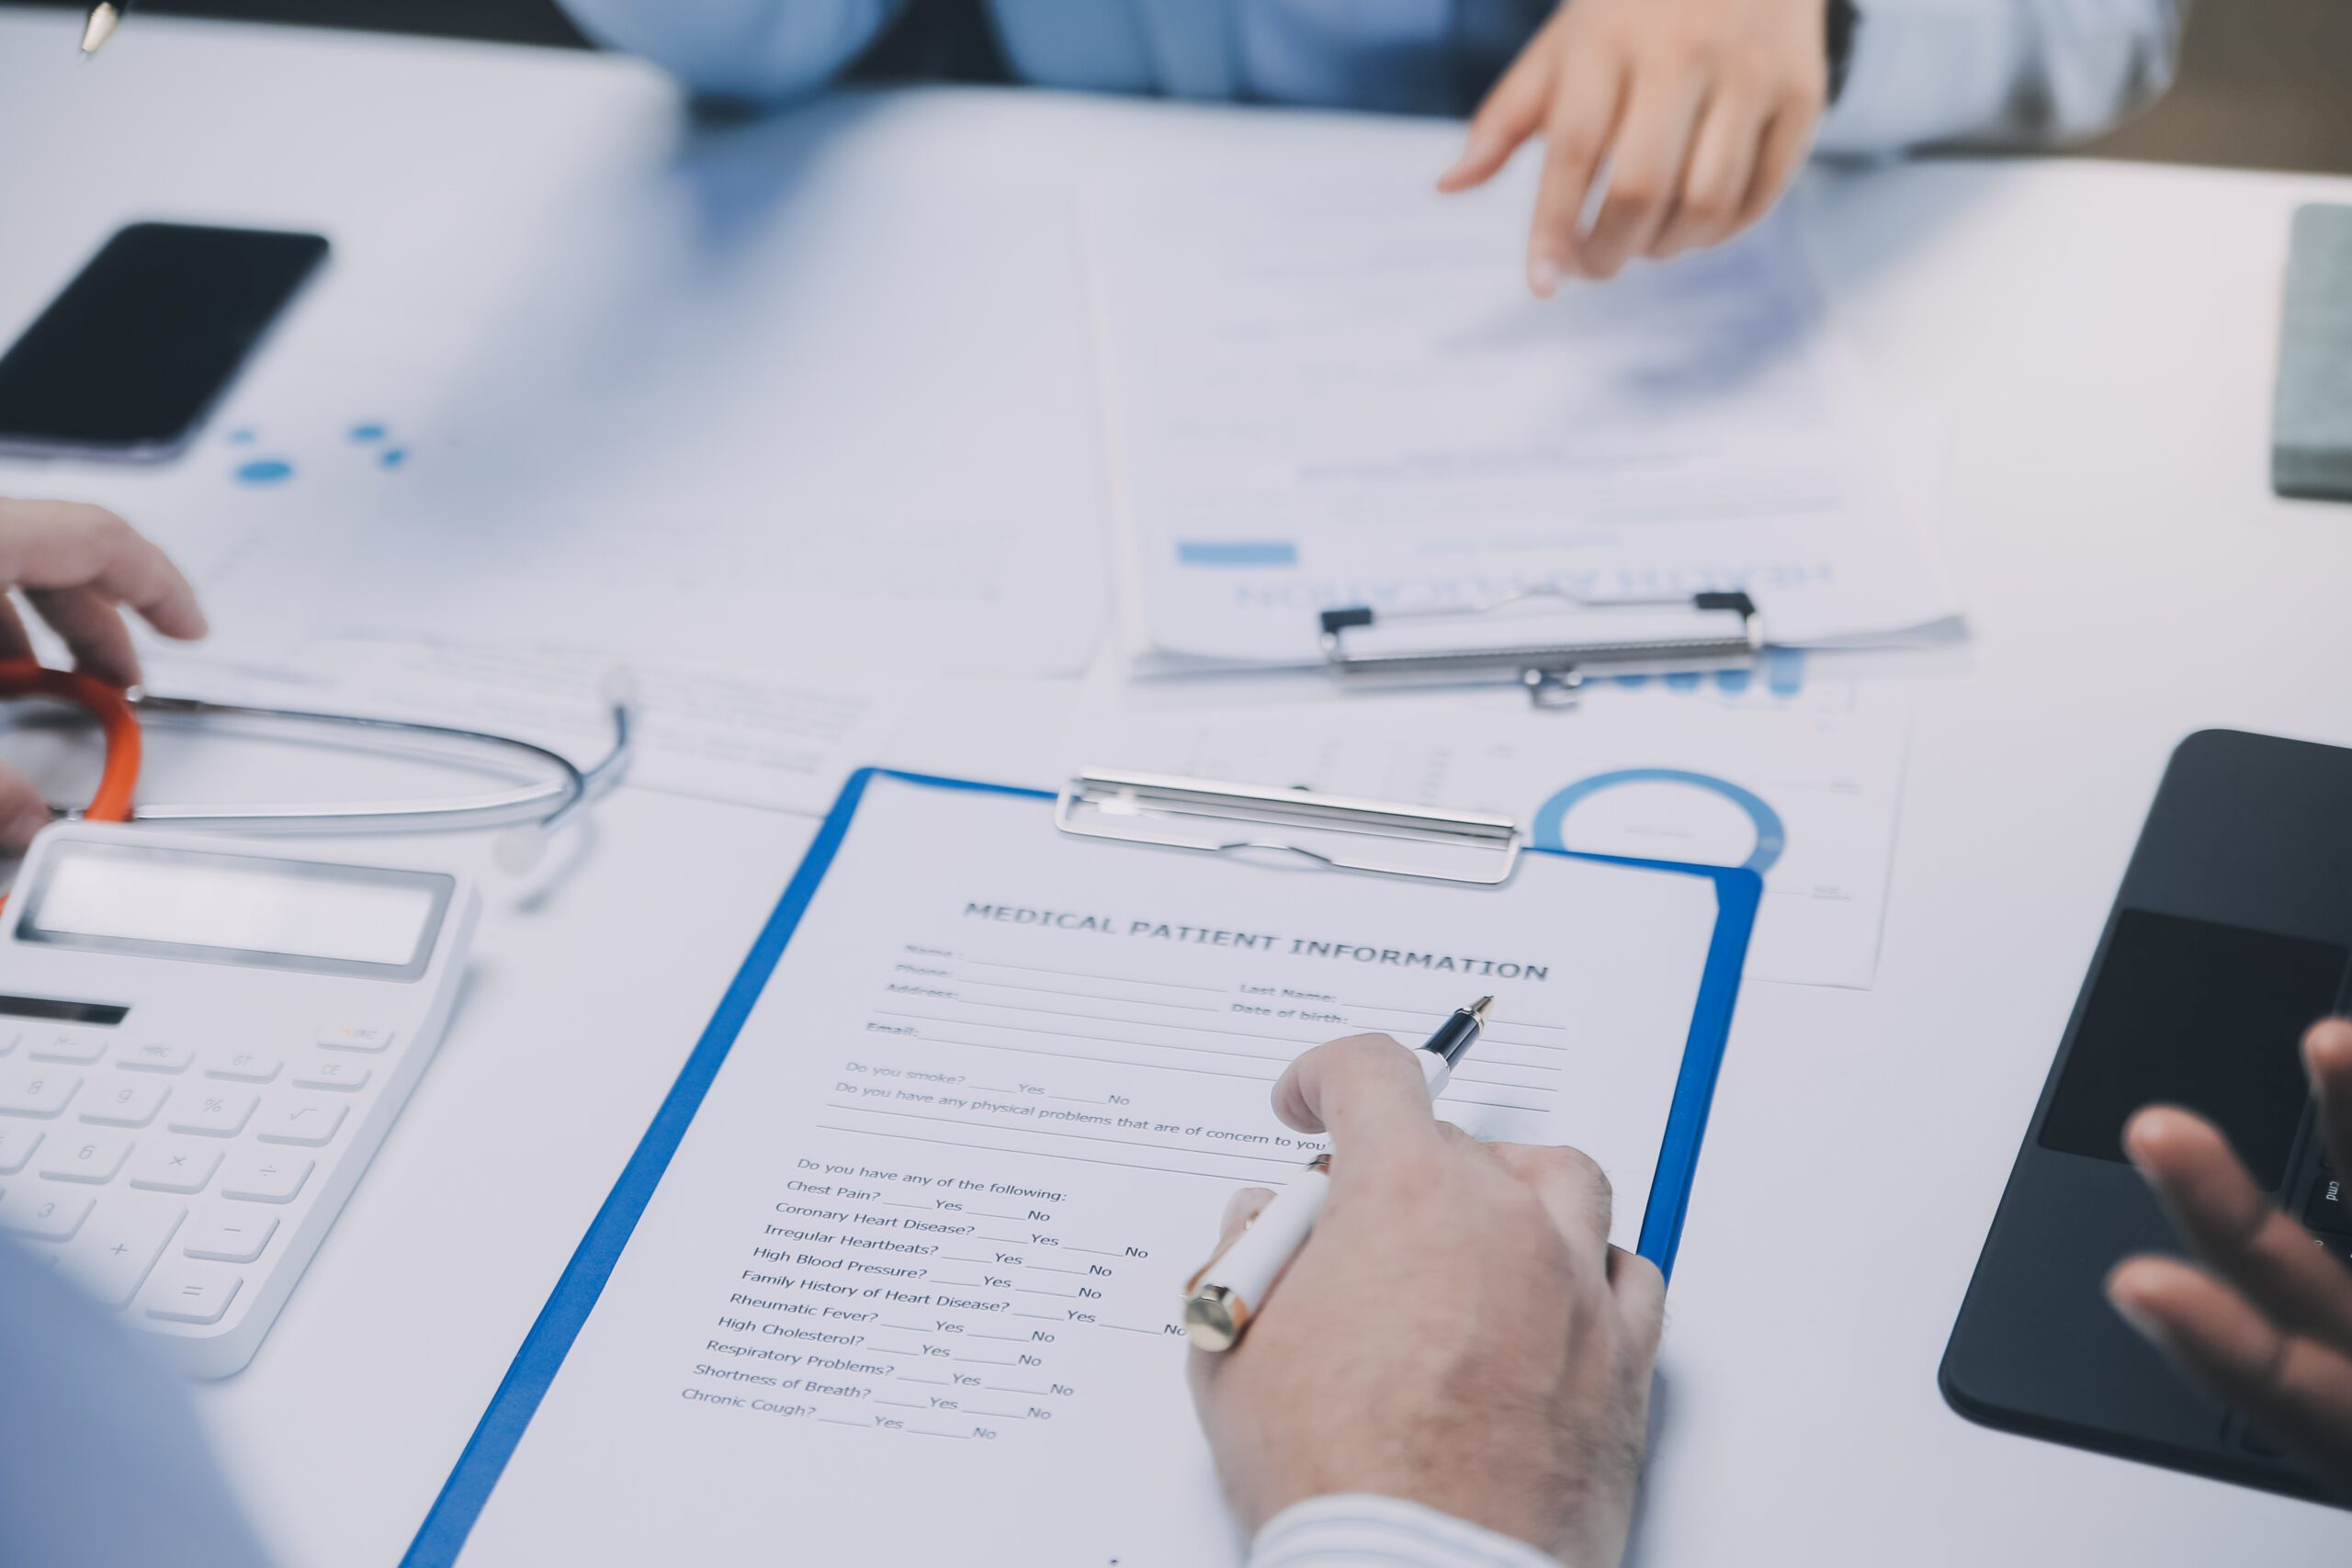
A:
537	808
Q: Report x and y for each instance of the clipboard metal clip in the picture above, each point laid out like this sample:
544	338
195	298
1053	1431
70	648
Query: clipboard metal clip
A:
1542	653
1334	831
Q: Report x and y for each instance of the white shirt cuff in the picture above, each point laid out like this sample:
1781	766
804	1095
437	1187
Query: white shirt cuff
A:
1357	1531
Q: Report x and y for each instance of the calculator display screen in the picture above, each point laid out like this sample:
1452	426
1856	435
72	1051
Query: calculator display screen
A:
280	914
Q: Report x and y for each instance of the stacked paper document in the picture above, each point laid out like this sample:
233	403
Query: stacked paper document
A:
1327	387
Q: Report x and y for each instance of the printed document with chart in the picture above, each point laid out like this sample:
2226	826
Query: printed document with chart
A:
907	1291
1328	385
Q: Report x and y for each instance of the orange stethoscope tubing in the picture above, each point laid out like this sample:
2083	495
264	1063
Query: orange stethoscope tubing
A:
105	702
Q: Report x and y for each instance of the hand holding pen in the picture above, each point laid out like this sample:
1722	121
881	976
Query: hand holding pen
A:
1456	1331
1235	1281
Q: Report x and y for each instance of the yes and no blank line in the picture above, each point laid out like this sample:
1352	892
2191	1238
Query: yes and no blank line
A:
1039	1153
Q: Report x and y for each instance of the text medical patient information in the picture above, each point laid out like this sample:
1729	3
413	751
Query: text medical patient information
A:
908	1290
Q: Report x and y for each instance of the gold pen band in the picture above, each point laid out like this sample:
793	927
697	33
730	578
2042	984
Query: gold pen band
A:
1216	1315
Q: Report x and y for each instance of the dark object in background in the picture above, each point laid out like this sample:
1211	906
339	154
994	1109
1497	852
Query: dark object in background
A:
498	21
2310	418
2227	940
932	41
128	360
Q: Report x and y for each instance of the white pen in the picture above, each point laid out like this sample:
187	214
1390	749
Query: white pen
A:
1230	1288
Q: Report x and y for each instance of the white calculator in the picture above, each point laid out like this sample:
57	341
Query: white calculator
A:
202	1042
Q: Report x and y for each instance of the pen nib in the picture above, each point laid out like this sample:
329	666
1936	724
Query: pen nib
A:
103	20
1478	1009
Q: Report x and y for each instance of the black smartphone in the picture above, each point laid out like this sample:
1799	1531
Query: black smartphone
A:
129	359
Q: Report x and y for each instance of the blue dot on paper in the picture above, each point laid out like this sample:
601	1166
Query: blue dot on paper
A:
242	438
265	471
1631	683
1682	681
393	456
1733	681
367	433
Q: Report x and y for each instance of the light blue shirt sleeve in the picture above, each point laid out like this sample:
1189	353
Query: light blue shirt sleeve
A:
1361	1531
757	50
1989	72
1999	72
101	1462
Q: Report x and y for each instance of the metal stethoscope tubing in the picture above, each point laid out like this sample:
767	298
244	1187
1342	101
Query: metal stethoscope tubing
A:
546	806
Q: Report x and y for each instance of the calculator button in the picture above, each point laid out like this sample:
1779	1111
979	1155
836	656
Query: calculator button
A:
29	1091
246	1066
119	1101
344	1076
214	1112
17	1143
2330	1208
234	1235
307	1121
68	1046
349	1039
85	1157
112	1254
173	1167
156	1056
181	1291
265	1178
47	1213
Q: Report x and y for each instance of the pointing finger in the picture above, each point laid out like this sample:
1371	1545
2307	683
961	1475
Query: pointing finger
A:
1576	140
64	543
1512	113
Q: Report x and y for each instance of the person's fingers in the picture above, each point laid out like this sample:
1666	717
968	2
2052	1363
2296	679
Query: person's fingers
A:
1639	1291
2232	1224
1780	152
1714	187
1589	90
93	629
1575	1194
1573	1190
2296	1389
1645	170
65	543
1365	1090
23	812
2327	1061
1512	112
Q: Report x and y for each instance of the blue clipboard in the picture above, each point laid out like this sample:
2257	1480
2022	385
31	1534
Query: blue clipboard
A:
442	1536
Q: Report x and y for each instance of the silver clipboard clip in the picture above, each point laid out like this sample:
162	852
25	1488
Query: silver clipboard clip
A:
1391	647
1336	830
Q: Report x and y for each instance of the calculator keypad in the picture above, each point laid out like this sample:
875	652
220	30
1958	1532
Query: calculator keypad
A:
159	1176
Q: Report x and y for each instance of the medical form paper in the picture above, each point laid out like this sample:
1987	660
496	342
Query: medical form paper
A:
906	1292
1327	386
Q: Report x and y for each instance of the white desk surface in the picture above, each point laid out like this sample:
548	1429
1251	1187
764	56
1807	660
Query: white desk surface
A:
2095	341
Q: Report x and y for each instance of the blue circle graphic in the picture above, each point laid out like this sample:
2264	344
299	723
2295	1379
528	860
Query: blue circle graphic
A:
1771	837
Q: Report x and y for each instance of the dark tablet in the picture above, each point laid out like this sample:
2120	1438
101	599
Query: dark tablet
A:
2231	933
